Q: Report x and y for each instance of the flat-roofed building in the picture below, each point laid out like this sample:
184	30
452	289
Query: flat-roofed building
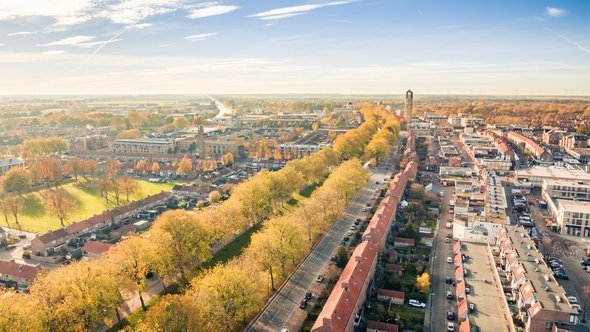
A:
533	177
540	299
145	146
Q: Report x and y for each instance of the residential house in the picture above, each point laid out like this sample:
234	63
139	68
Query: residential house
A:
14	274
93	249
374	326
392	296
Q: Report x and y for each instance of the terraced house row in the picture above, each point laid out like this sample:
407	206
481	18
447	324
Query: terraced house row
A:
344	305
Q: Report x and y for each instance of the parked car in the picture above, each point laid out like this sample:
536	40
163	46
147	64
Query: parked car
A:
450	326
417	304
303	304
450	315
471	307
577	307
450	295
364	210
320	278
447	240
586	262
572	299
449	260
449	280
308	295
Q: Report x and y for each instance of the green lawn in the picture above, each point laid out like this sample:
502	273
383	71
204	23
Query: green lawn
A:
34	218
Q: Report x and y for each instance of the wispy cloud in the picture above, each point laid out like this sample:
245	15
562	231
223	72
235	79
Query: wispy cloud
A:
142	26
68	41
341	21
212	9
285	12
201	36
99	43
56	52
576	44
21	33
555	12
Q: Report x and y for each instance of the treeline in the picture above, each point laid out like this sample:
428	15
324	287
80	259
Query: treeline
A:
224	297
80	296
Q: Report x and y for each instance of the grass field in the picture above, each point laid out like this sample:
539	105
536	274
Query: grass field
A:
34	218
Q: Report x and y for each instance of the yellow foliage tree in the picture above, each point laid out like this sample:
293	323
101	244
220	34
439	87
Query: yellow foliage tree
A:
423	282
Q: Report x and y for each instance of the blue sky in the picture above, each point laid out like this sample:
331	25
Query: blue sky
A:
273	46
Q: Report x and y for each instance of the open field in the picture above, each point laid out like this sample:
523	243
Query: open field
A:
34	218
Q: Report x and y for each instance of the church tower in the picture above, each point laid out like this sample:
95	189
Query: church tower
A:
409	105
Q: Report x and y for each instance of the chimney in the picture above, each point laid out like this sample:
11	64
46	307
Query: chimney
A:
12	260
358	258
345	285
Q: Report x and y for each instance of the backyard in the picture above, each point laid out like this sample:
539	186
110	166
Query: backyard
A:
34	217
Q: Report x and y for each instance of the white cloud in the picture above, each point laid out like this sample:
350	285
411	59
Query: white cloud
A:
67	13
22	33
142	26
69	41
555	12
201	36
212	10
1	44
284	12
98	43
56	52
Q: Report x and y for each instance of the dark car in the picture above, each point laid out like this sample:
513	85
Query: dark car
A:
303	304
308	296
450	315
562	276
449	280
586	262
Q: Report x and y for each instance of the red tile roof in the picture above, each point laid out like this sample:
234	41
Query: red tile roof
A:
534	309
457	247
348	290
380	326
462	311
526	290
465	327
506	244
512	256
518	272
53	236
391	293
460	291
96	247
18	270
458	260
393	253
459	273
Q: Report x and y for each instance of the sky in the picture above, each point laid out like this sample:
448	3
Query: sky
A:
526	47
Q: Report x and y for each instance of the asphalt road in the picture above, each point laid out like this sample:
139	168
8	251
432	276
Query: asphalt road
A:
285	302
439	305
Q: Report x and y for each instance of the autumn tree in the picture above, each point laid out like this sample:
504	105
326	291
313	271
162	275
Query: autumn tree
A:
131	261
183	242
214	196
140	166
77	297
129	133
17	179
186	166
89	166
231	293
180	123
14	206
47	170
155	167
174	313
227	159
18	312
5	207
423	282
128	186
60	205
74	167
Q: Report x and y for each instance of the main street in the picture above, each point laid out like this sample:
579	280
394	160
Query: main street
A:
439	304
283	304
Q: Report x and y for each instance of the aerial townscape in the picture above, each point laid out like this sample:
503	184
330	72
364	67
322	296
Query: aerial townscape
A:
322	165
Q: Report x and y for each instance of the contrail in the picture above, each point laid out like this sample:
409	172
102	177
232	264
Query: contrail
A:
580	46
100	47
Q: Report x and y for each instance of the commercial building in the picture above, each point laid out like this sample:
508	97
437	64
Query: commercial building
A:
533	177
574	141
540	299
146	146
